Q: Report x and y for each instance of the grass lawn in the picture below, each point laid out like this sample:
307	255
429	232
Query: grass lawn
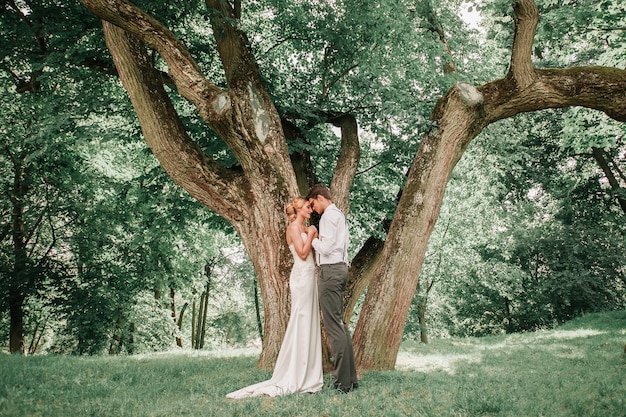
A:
578	369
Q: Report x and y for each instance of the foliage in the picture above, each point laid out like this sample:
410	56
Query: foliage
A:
104	223
380	62
529	235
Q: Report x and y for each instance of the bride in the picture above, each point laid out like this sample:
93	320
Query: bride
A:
299	364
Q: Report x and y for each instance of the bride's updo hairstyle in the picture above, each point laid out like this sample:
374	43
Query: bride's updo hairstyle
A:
293	207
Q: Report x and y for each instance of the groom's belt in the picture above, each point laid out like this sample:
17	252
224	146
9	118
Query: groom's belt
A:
334	264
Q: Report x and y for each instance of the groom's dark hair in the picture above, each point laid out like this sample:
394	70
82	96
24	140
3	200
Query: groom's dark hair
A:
319	189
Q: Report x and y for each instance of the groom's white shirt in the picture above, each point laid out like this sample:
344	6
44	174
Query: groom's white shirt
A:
332	245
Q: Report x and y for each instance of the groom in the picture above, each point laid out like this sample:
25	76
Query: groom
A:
331	255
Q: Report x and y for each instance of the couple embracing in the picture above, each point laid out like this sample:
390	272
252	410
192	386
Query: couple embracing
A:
299	364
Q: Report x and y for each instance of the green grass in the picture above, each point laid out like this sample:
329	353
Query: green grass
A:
578	369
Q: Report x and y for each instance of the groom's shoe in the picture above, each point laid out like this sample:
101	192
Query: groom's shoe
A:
345	390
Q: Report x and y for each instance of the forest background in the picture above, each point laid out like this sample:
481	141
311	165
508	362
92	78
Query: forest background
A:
103	252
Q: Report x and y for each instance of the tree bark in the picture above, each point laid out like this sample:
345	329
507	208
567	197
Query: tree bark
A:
257	311
360	274
421	310
193	321
390	292
348	161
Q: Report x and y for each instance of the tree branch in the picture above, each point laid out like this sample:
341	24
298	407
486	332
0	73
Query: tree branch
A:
600	88
300	159
232	45
327	87
526	19
185	72
204	178
348	161
437	27
349	156
599	156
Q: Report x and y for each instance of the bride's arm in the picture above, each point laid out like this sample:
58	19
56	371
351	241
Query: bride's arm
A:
302	247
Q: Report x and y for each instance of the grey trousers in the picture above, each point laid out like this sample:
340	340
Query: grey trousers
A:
332	282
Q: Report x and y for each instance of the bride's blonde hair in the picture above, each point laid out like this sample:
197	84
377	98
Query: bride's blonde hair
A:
293	207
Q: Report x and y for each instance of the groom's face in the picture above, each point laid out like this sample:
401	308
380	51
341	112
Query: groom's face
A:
312	204
318	204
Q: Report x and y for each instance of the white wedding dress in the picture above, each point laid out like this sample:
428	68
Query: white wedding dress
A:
299	364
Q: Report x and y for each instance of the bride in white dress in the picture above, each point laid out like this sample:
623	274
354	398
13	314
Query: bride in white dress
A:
299	364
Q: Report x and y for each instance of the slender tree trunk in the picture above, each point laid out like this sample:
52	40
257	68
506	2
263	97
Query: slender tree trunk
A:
130	345
199	321
208	270
173	303
599	156
202	322
257	309
117	341
34	344
509	320
193	321
33	338
421	310
422	306
19	278
179	324
179	341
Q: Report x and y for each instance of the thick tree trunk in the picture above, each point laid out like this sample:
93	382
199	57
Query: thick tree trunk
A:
379	330
16	330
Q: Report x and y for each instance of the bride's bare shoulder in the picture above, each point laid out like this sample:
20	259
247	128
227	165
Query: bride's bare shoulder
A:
292	230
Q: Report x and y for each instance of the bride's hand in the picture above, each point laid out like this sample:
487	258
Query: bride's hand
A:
312	230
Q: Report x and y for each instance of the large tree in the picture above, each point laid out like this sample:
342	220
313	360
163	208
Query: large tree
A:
251	194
